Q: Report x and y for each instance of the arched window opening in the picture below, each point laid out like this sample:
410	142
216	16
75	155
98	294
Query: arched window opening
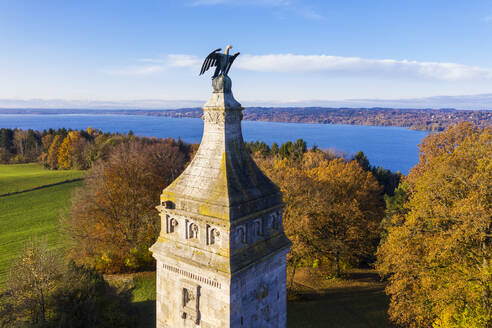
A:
193	231
214	236
173	223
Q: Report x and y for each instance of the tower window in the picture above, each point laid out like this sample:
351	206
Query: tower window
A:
193	231
258	227
275	220
240	235
173	223
214	236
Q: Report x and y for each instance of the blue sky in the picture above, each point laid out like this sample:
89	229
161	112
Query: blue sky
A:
147	53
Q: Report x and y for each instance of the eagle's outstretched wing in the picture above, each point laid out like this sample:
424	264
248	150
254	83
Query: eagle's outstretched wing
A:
211	60
231	60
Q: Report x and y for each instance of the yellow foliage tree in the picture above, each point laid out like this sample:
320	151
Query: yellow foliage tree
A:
52	158
333	207
296	190
438	144
347	211
438	257
67	150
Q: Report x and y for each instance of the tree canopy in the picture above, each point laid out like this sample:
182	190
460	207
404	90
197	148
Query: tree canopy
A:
437	250
333	207
113	220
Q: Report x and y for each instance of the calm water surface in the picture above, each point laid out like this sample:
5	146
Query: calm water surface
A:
391	147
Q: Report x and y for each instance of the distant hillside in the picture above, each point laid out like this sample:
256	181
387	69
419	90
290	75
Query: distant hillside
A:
417	119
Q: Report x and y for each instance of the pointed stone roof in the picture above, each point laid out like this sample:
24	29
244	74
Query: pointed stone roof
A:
222	181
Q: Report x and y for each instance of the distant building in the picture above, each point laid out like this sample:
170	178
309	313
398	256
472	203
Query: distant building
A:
221	253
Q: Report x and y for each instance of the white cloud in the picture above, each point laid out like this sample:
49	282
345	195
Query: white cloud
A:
289	63
488	18
184	61
155	65
320	64
136	70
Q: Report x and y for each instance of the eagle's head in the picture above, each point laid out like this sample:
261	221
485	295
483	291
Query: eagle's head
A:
227	49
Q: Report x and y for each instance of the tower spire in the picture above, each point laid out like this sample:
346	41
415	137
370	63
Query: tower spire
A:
221	232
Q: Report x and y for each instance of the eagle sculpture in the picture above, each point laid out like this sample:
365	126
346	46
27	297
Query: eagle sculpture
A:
222	62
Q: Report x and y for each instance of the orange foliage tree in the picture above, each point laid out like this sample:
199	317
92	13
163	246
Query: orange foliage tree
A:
113	220
437	254
333	207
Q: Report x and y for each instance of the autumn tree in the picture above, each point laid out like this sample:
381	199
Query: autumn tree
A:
347	211
31	281
333	207
52	156
438	144
437	251
70	150
296	189
113	220
46	140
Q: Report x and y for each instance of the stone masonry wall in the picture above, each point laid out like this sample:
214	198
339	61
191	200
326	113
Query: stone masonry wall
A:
207	308
259	294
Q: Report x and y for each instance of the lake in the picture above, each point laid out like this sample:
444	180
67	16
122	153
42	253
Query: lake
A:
391	147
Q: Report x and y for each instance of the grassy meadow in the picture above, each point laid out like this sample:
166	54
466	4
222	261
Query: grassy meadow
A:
21	177
30	212
358	301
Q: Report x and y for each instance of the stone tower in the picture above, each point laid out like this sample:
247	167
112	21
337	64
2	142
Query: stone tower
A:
221	253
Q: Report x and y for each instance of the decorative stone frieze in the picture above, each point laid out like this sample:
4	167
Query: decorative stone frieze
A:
220	117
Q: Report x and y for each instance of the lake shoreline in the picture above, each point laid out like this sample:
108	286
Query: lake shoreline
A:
244	120
432	120
393	148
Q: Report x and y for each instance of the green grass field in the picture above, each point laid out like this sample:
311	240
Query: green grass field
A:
32	213
20	177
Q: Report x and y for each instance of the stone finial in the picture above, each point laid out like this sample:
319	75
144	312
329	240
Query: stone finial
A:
222	84
222	97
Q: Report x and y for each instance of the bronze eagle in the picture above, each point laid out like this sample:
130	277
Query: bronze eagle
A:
223	62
